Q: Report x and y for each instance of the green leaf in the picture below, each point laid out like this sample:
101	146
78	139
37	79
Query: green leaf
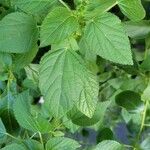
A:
97	7
107	38
14	147
146	94
133	9
104	134
101	4
57	26
65	81
86	51
146	64
126	115
80	119
145	145
67	122
5	61
60	143
3	132
24	117
34	7
137	30
109	145
18	33
5	2
6	111
22	60
58	134
130	100
33	145
67	43
32	72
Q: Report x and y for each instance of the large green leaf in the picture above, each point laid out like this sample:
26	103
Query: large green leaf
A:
97	7
3	132
109	145
22	60
130	100
18	33
60	143
33	144
87	53
133	9
107	38
35	7
5	2
80	119
57	26
24	117
137	30
65	81
101	4
14	147
6	112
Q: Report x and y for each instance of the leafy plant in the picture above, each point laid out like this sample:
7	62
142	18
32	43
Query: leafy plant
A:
74	69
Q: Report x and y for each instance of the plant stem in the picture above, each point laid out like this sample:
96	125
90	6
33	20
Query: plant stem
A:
63	3
147	125
33	135
129	146
143	119
41	139
13	137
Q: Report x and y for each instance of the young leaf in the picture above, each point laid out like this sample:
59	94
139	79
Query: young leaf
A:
130	100
14	147
65	81
126	115
133	9
24	116
107	38
32	72
57	26
109	145
3	136
60	143
18	33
